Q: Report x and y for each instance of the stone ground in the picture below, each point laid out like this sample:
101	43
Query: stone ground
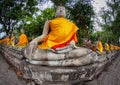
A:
7	75
111	76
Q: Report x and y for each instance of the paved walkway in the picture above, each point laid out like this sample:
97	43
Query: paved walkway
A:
7	76
111	76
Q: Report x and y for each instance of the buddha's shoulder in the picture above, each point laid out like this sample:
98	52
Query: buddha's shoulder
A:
60	20
23	34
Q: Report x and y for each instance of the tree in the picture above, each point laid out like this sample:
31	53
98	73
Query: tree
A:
82	13
13	11
35	27
115	27
111	18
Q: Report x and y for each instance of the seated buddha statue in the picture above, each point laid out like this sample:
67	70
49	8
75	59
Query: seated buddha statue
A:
57	42
12	40
5	40
23	39
100	46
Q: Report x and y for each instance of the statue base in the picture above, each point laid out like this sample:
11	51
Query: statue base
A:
55	75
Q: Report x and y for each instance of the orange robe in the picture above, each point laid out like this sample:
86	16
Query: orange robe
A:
62	32
107	47
23	41
12	40
116	48
100	46
94	48
6	41
2	41
111	47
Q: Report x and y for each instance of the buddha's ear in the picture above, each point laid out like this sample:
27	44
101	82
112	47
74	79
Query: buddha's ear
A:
60	11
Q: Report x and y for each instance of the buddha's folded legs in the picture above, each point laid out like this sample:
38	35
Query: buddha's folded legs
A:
31	52
85	60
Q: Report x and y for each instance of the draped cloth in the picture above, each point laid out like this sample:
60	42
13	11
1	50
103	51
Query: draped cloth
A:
23	41
12	42
8	41
111	47
62	31
2	41
100	46
107	48
5	41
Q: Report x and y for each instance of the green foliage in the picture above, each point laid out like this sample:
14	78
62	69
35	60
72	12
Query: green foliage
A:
105	35
79	11
82	13
13	11
60	2
116	27
30	8
111	18
36	25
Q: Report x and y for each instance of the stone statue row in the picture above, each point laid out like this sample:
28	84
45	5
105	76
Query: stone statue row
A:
58	46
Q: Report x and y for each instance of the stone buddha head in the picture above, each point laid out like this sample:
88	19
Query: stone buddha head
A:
22	30
60	11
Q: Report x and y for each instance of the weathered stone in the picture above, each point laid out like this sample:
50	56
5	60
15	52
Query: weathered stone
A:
59	75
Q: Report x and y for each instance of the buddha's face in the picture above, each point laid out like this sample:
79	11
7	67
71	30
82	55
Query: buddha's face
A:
60	11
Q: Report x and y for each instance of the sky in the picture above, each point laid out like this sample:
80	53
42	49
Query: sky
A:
98	4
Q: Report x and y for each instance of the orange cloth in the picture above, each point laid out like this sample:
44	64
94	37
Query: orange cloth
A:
23	40
111	47
107	47
66	43
116	47
6	41
94	48
62	31
2	41
12	40
100	46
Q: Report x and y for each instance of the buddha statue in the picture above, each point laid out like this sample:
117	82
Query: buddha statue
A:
23	39
57	46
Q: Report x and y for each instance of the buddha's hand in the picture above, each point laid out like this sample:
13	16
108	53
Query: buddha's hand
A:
34	41
31	49
33	45
73	44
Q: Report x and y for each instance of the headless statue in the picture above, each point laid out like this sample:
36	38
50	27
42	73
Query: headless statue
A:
58	45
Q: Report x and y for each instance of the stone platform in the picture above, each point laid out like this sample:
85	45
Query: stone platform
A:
57	75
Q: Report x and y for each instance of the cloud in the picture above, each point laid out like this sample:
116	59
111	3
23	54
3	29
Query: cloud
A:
97	5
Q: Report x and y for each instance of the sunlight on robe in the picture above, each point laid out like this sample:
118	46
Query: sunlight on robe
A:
100	46
62	32
107	47
23	41
12	41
